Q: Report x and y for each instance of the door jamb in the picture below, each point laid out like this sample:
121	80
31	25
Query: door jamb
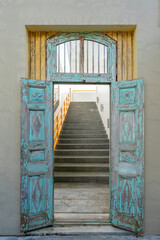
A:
83	82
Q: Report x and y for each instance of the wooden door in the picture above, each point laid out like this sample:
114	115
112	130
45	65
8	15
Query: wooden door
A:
36	154
127	155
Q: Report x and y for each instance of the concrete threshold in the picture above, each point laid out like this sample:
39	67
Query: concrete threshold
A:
78	230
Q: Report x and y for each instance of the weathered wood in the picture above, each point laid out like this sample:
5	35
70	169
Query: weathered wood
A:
76	78
50	34
125	59
127	155
130	56
119	57
64	37
115	35
33	57
36	154
110	34
38	55
29	54
43	55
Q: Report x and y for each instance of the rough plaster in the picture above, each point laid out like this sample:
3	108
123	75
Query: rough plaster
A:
14	15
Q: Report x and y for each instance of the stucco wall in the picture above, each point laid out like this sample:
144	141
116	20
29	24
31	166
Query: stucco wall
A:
103	93
14	15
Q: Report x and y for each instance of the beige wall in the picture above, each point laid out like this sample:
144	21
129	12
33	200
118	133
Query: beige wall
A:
14	15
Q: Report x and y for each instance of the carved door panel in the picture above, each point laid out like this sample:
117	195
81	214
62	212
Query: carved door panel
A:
36	154
127	155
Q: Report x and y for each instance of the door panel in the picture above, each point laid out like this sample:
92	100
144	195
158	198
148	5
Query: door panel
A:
36	154
127	154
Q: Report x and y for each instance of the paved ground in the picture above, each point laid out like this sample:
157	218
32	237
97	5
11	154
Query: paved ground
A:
83	237
81	202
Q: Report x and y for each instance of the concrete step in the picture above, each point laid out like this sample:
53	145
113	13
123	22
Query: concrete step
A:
81	159
82	111
81	152
77	127
82	136
86	131
83	140
81	167
81	220
77	121
82	146
84	115
84	123
100	177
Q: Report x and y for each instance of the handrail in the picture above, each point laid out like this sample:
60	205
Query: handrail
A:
59	119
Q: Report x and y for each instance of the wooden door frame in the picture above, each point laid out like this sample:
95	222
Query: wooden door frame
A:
81	78
83	82
59	38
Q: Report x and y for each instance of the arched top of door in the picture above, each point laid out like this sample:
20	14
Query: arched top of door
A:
90	36
77	56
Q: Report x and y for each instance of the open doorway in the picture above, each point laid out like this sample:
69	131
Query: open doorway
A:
81	153
95	64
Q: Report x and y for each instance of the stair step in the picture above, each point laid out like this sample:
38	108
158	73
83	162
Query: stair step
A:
83	115
84	123
82	127
82	152
86	131
98	177
81	167
83	140
83	118
82	159
83	136
83	146
70	219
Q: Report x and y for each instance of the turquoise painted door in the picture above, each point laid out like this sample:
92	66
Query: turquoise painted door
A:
127	155
36	154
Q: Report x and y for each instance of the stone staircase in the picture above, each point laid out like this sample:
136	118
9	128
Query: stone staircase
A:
82	154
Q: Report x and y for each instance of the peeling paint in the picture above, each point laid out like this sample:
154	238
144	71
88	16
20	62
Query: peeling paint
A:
36	154
127	171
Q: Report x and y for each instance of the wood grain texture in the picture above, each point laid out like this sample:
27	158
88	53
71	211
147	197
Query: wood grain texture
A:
127	155
43	55
36	154
115	35
29	53
37	56
64	37
130	57
32	54
119	57
125	57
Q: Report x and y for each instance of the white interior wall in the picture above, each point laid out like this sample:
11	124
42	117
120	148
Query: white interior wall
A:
77	96
83	96
103	94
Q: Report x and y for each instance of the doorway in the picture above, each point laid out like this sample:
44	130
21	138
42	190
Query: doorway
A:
127	123
81	155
